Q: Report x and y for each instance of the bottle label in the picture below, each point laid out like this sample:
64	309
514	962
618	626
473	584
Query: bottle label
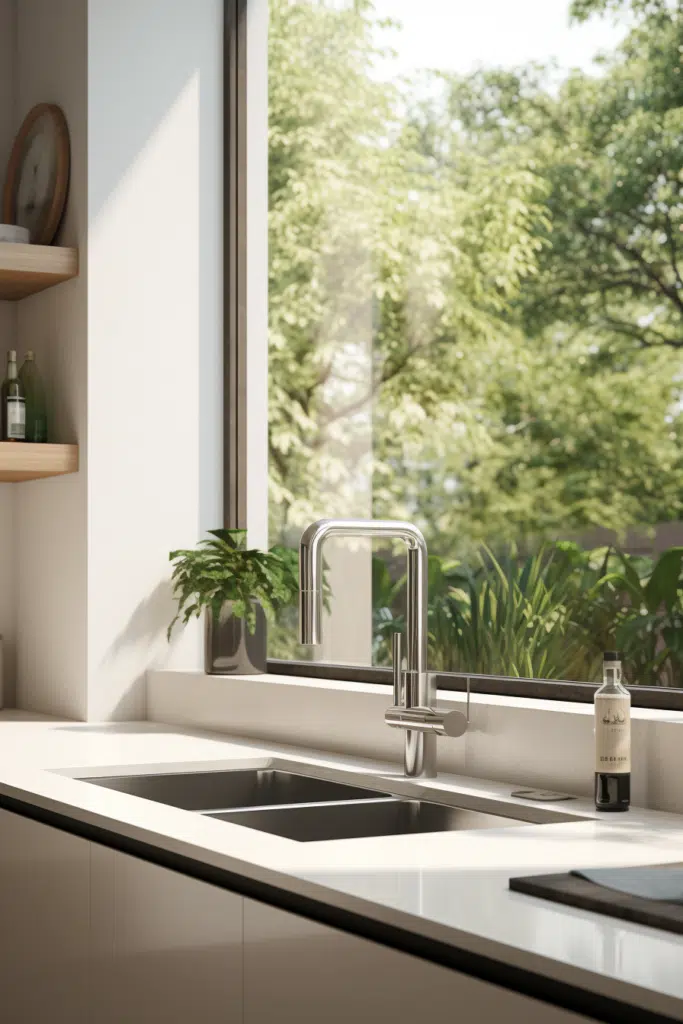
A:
613	735
16	419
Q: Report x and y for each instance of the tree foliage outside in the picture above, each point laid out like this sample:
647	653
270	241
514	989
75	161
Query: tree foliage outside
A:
550	615
476	302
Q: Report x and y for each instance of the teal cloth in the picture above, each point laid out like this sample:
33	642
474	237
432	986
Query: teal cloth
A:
664	883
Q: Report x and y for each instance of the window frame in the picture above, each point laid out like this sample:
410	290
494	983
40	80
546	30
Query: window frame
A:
663	698
234	263
236	399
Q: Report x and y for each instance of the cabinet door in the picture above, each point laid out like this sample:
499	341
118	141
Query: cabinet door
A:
166	948
299	972
44	923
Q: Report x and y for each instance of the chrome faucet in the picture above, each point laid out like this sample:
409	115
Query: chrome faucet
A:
414	690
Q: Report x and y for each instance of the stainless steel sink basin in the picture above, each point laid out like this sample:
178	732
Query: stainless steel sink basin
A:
225	790
388	816
308	809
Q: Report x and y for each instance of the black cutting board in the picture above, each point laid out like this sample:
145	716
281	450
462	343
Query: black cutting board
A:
578	892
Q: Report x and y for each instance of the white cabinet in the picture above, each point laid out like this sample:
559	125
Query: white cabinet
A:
92	936
167	949
299	972
44	923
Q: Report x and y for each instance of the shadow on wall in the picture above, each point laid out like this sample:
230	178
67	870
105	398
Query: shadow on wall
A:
148	622
146	630
158	76
155	76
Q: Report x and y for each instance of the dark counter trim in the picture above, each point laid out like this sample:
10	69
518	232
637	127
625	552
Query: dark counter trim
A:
528	983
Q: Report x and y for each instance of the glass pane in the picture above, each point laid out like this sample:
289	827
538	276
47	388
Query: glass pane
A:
476	315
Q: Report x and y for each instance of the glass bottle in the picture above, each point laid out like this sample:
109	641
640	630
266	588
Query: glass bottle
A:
34	393
13	404
612	738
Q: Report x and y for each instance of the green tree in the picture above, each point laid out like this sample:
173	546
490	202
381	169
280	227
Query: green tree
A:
610	148
475	292
384	268
581	424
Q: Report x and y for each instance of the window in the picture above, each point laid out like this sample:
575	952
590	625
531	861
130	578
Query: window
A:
475	316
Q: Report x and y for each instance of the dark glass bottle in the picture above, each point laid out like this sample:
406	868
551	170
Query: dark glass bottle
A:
13	405
34	393
612	739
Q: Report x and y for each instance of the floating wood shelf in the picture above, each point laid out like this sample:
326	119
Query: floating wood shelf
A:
25	461
27	269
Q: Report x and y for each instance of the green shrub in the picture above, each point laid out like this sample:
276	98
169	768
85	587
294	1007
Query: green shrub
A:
549	615
221	569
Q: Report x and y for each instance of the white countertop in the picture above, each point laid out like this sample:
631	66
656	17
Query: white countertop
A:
451	886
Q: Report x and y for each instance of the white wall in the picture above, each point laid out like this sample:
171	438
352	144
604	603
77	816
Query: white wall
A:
51	533
154	327
526	742
131	349
7	341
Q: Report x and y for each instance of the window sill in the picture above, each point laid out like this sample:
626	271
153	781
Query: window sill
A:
451	698
522	740
544	690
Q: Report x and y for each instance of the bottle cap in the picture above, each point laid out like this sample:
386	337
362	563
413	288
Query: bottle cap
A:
29	355
611	656
12	354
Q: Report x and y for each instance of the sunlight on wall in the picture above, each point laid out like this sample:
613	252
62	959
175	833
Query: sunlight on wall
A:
155	339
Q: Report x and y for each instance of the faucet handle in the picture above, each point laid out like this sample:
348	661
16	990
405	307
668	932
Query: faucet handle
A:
397	661
437	722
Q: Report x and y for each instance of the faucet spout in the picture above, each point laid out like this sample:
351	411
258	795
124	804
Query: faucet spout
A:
311	617
311	582
420	745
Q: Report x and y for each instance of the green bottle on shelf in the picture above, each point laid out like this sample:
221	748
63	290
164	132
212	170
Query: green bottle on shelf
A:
34	394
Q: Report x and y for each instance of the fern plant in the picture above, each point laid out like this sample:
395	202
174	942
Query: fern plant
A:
222	569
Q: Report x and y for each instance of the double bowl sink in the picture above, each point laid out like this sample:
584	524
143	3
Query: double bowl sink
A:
306	808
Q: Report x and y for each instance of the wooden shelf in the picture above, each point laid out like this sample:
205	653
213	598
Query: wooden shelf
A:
27	269
25	461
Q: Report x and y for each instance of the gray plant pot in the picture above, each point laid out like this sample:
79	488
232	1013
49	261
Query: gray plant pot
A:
231	649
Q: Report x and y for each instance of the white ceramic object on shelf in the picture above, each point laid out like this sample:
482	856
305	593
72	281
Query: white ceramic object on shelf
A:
13	233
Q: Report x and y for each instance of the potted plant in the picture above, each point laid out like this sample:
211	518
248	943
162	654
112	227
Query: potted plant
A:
237	588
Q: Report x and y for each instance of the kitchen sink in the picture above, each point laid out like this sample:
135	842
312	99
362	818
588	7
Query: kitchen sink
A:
308	809
227	790
388	816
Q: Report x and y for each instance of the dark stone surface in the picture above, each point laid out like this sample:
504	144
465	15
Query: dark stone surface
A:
579	892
